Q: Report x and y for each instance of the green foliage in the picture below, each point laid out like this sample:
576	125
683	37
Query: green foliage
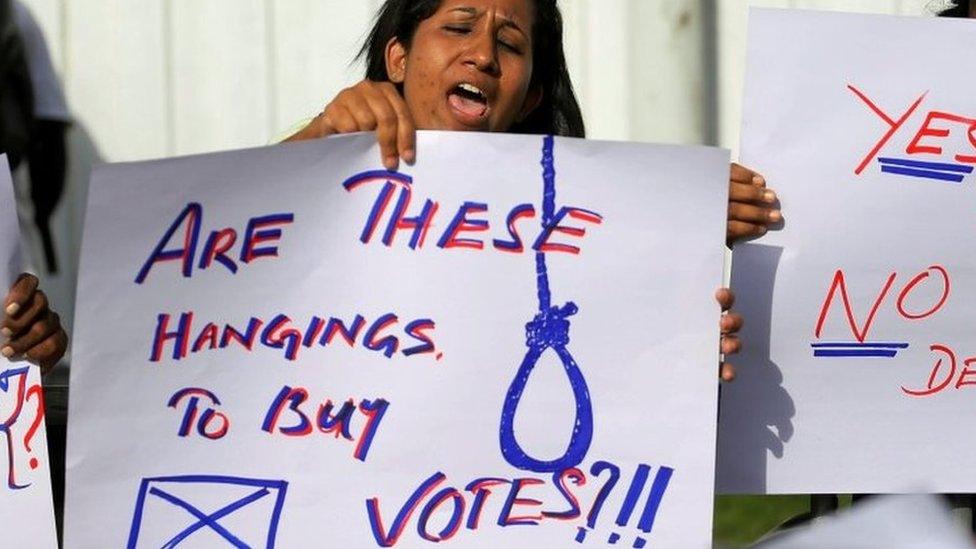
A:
742	520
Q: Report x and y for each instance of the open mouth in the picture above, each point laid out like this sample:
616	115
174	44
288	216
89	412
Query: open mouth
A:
469	101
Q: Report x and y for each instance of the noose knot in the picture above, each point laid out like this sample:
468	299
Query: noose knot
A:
550	327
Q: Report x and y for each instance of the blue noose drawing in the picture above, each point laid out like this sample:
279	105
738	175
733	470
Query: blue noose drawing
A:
549	329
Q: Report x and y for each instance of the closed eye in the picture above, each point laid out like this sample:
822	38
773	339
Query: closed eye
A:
510	47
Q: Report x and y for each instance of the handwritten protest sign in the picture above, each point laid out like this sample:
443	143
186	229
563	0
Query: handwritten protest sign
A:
511	342
859	311
25	502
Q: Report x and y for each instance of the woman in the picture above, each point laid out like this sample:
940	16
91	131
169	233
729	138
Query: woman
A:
30	329
490	65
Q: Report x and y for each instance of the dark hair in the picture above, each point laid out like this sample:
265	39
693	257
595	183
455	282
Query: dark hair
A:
558	113
960	9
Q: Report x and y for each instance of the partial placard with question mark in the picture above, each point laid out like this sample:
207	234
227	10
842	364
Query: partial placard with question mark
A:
21	419
25	488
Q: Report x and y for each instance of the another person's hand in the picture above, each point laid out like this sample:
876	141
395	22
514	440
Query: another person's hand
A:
752	207
730	324
368	106
30	328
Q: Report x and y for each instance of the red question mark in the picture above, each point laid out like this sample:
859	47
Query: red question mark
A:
34	390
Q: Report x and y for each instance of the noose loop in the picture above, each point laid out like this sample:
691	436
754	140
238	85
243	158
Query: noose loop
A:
549	329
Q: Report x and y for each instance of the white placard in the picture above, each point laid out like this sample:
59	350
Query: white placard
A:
383	409
868	138
26	487
893	522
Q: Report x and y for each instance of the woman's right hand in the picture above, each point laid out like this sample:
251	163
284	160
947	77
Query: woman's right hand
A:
368	106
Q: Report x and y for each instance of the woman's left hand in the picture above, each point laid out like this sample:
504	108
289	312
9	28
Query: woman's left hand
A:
752	206
30	328
730	325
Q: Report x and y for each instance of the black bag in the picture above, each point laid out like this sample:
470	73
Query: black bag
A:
16	94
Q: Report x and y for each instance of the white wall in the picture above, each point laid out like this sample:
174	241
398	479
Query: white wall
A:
155	78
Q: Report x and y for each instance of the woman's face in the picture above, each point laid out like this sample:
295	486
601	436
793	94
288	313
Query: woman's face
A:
468	66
